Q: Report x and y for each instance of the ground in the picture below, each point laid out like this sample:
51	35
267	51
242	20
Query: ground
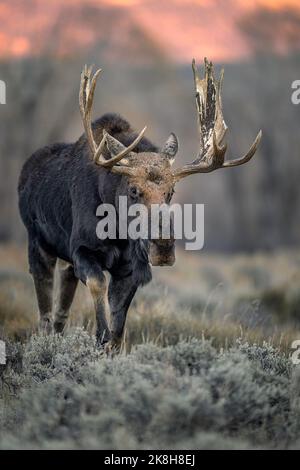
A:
206	361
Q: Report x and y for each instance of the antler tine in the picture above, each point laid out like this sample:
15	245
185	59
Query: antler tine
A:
114	160
86	96
248	156
212	127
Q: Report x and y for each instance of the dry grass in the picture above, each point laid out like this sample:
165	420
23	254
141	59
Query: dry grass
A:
221	297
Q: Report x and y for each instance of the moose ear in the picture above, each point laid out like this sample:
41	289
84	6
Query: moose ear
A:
171	147
114	147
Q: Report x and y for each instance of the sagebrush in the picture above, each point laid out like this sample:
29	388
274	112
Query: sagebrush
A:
62	392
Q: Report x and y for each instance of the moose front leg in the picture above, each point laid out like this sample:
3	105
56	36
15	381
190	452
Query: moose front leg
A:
120	295
88	270
98	288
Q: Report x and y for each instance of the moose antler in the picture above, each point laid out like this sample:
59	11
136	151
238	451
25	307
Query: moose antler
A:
86	97
212	127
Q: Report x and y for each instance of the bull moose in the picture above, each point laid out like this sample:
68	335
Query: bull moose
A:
61	186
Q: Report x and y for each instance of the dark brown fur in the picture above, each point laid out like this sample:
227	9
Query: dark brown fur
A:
60	189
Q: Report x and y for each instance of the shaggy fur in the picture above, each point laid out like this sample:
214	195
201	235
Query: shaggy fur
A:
59	191
60	188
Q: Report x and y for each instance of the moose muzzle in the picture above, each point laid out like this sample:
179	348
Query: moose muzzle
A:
162	253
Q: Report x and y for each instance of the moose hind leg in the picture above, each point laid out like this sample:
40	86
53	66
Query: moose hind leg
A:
67	283
42	269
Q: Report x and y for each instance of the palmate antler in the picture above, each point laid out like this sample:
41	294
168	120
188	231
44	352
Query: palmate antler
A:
212	127
86	96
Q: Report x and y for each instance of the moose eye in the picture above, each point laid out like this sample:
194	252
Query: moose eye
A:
133	192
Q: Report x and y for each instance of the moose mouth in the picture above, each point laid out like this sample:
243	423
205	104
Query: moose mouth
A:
162	253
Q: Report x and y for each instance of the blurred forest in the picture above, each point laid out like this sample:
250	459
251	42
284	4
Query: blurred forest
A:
249	208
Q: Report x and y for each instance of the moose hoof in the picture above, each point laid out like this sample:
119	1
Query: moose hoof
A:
115	345
46	326
102	342
112	348
59	327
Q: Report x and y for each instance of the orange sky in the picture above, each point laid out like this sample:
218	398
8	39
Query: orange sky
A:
268	3
182	28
